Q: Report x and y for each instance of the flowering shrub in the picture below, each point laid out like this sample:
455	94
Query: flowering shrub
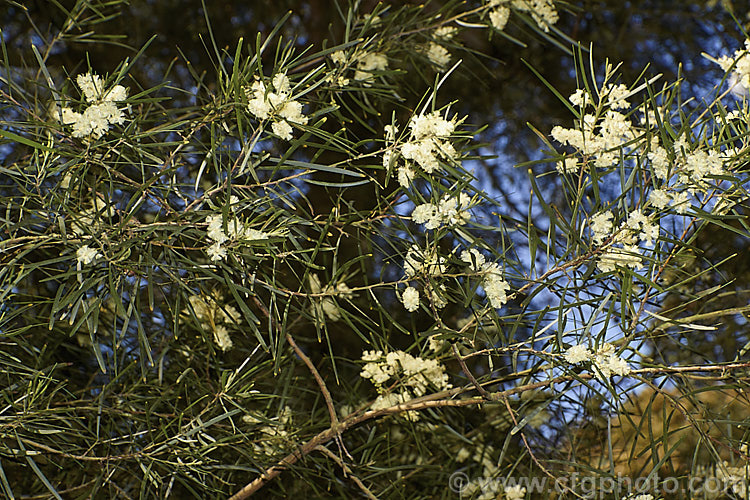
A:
300	280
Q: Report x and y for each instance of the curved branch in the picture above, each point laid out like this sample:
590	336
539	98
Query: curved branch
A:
441	399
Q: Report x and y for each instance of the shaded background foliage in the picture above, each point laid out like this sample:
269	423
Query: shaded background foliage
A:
494	86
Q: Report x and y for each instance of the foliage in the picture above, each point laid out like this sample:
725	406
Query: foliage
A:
291	277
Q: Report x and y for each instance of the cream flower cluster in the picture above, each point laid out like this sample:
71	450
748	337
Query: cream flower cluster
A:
236	230
499	17
415	375
85	255
435	344
410	299
543	12
89	220
277	105
449	211
273	436
366	65
423	261
427	144
495	286
598	136
693	165
369	63
445	33
215	316
622	243
682	169
662	198
339	58
739	64
568	166
627	256
326	306
605	360
611	95
577	354
515	492
437	54
608	363
102	111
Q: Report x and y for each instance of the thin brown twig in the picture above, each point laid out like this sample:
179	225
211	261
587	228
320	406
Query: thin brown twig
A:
310	366
347	471
314	371
531	452
45	496
481	390
321	383
40	446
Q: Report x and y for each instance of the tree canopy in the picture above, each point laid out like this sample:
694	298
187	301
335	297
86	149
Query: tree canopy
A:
379	250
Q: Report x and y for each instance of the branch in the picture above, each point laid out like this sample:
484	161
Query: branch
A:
310	366
439	400
347	471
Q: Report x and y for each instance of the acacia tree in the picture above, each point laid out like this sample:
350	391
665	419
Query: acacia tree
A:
290	277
